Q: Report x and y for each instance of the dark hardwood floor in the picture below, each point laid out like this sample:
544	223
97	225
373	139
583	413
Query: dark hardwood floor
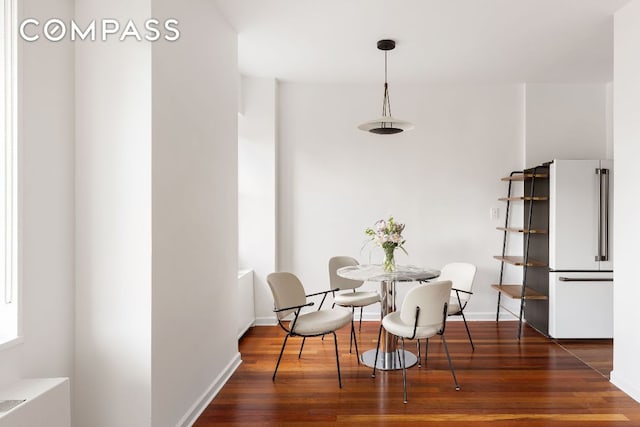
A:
532	382
597	354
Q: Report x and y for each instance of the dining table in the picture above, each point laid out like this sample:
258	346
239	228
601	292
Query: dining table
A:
388	355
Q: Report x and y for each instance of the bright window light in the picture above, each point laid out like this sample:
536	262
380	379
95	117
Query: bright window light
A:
8	182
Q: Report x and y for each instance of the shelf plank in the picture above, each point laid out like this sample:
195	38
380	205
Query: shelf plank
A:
519	260
523	198
515	292
522	230
523	176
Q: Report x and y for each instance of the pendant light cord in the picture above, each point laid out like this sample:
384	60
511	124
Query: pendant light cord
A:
386	103
387	124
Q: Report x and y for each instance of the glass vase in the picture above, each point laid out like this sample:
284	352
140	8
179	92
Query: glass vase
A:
389	260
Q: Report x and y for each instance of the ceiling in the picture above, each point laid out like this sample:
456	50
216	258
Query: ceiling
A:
438	41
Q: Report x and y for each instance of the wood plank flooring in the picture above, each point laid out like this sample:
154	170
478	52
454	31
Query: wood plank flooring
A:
597	354
533	382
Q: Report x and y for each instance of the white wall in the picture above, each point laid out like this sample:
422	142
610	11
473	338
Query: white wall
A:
104	183
609	112
46	139
113	223
441	179
195	250
565	122
156	217
626	344
257	187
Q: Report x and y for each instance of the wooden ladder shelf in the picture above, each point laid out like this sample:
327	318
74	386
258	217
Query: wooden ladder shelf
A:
533	197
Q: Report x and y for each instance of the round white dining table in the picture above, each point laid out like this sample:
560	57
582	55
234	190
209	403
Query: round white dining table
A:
388	357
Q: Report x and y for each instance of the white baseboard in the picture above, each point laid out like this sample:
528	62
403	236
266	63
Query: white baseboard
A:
245	328
197	408
631	389
484	316
375	317
477	316
265	321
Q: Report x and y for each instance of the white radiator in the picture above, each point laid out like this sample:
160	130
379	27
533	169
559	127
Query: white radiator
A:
246	312
36	402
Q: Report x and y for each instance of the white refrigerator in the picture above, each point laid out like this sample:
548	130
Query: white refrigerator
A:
580	249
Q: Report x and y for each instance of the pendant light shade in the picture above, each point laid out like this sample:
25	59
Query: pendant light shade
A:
387	124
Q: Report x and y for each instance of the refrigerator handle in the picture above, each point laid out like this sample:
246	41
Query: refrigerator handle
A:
598	256
585	279
603	215
604	255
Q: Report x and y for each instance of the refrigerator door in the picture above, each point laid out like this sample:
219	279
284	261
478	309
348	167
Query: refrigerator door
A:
581	305
574	215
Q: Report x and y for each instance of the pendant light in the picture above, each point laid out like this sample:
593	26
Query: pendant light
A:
387	124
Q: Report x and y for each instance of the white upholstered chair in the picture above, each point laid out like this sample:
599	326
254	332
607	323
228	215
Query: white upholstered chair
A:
350	297
289	299
423	314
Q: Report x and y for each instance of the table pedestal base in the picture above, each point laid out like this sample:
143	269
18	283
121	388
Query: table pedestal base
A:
387	361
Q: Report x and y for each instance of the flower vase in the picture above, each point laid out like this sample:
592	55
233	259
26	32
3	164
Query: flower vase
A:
389	260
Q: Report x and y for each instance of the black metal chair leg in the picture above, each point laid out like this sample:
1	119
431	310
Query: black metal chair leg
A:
404	373
453	372
335	341
302	346
360	327
280	357
351	337
419	355
375	361
426	350
473	347
355	341
498	307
